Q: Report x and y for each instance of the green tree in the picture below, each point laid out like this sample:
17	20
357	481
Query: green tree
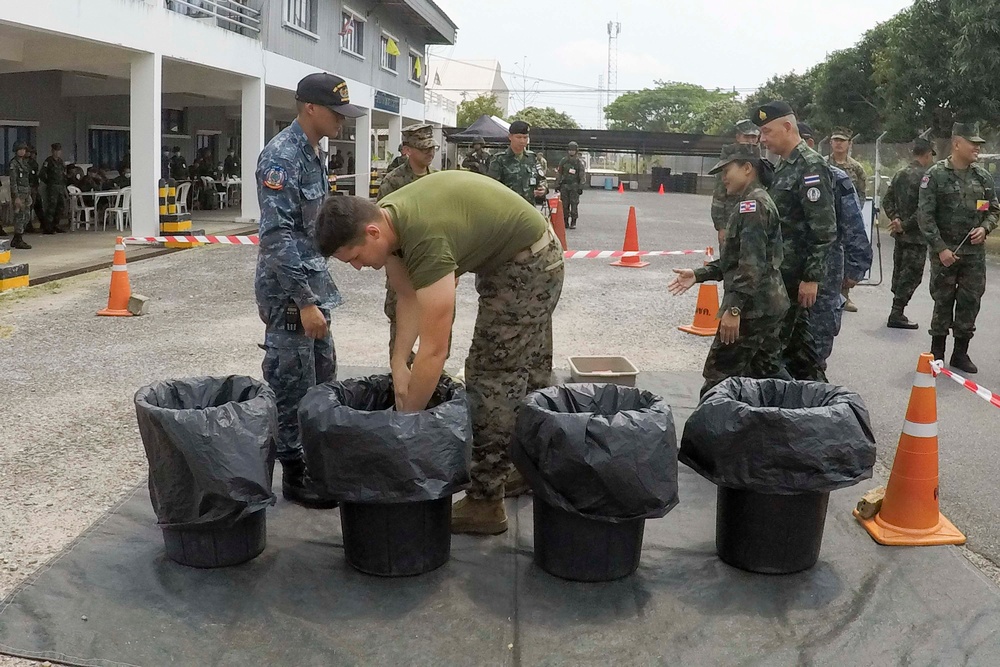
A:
547	117
721	116
469	111
669	107
799	90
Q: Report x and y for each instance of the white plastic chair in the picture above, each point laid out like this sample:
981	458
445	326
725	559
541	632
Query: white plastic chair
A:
121	211
182	197
79	212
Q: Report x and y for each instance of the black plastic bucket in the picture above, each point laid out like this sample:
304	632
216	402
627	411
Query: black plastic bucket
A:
397	539
573	547
770	534
217	547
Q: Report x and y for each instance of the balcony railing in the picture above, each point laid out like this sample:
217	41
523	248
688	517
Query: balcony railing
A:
439	100
234	15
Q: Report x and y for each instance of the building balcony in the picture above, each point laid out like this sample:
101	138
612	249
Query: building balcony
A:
234	15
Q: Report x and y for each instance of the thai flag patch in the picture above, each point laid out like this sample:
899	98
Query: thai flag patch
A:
811	179
749	206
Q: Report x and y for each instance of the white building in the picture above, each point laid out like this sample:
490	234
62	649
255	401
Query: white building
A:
461	80
100	76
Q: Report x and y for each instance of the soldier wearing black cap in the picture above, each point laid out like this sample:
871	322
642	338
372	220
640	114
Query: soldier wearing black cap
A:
517	167
803	192
909	254
53	175
295	292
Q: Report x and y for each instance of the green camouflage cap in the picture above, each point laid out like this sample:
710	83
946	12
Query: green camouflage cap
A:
734	152
968	131
419	136
842	133
21	145
745	126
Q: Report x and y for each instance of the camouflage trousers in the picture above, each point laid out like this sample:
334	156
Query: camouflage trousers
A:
907	272
800	353
511	354
957	291
570	196
22	213
755	354
293	363
826	315
54	205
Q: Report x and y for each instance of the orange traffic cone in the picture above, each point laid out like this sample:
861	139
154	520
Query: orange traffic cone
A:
661	188
910	515
557	220
631	243
621	187
706	322
121	291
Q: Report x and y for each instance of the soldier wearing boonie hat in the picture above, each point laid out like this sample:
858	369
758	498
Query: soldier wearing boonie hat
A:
722	203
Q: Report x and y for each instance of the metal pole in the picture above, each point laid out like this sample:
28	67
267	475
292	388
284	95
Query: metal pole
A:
876	201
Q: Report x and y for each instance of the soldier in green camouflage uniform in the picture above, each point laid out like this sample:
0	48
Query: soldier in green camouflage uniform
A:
840	147
418	142
398	160
479	159
53	175
427	234
723	202
803	192
20	192
754	302
956	209
910	251
517	167
570	177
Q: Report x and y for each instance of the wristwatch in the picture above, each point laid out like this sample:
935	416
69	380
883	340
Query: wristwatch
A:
734	311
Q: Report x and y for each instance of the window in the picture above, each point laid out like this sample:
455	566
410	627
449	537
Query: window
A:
416	67
208	142
172	121
9	136
301	14
389	53
352	33
107	147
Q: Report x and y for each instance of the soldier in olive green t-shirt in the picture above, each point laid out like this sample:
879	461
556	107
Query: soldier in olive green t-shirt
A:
425	235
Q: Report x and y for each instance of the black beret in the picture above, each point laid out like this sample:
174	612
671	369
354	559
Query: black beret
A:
923	146
519	127
805	131
764	114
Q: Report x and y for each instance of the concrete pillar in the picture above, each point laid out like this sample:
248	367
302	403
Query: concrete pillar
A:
146	77
363	153
395	134
252	130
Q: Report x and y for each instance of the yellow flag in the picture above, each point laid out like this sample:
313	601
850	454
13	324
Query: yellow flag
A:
391	48
417	68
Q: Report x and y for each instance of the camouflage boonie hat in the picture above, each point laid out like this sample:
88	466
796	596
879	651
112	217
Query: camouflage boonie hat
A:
734	152
842	133
419	136
745	126
968	131
20	146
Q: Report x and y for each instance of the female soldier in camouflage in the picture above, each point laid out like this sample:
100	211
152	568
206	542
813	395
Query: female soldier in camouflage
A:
754	301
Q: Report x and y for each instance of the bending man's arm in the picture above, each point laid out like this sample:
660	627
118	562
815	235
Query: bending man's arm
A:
436	307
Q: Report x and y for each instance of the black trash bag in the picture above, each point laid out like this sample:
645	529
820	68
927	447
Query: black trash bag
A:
361	450
210	446
779	437
600	451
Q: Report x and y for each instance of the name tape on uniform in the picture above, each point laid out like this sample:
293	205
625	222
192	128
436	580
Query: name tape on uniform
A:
937	368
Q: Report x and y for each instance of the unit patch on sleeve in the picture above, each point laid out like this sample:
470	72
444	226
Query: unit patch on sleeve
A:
749	206
812	194
924	181
275	178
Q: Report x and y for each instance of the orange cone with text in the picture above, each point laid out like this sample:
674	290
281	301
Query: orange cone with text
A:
910	515
631	243
706	322
120	289
558	221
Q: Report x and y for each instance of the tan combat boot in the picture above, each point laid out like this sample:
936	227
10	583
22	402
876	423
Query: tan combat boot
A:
515	485
479	516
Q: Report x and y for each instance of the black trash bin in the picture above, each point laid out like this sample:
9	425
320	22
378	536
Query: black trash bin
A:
394	473
600	459
210	446
776	450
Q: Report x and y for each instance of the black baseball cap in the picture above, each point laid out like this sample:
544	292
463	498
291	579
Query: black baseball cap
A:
765	113
329	91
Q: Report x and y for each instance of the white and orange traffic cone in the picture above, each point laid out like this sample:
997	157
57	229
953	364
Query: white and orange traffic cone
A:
631	244
706	309
120	291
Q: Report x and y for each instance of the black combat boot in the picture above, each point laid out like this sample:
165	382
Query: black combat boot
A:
960	357
297	487
937	347
3	234
572	223
897	320
18	242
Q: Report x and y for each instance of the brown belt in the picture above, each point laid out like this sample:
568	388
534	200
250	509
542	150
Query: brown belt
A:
536	247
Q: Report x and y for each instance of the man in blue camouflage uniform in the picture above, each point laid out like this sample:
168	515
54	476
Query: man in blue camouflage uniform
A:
849	259
295	292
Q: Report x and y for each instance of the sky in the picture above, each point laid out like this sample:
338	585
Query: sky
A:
715	43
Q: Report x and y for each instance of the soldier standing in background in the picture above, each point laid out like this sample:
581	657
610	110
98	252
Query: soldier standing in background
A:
294	290
910	250
398	160
36	198
517	167
570	177
20	192
722	203
956	209
53	175
803	192
479	159
840	148
178	166
231	167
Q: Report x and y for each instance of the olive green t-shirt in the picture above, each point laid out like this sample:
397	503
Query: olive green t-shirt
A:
459	221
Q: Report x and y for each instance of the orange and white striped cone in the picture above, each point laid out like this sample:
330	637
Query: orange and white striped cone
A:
120	291
706	309
910	514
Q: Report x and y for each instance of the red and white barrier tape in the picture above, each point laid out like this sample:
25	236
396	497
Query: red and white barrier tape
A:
937	368
605	254
225	240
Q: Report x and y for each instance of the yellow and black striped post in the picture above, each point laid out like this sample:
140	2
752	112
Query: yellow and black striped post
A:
173	223
332	179
171	197
13	275
162	190
373	185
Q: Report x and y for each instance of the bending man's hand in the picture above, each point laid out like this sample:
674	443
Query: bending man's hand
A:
807	294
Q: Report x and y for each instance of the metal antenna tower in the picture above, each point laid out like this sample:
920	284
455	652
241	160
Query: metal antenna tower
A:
614	29
600	101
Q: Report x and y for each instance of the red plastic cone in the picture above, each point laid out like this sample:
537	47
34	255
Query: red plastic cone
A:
557	220
120	291
631	243
621	187
661	188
